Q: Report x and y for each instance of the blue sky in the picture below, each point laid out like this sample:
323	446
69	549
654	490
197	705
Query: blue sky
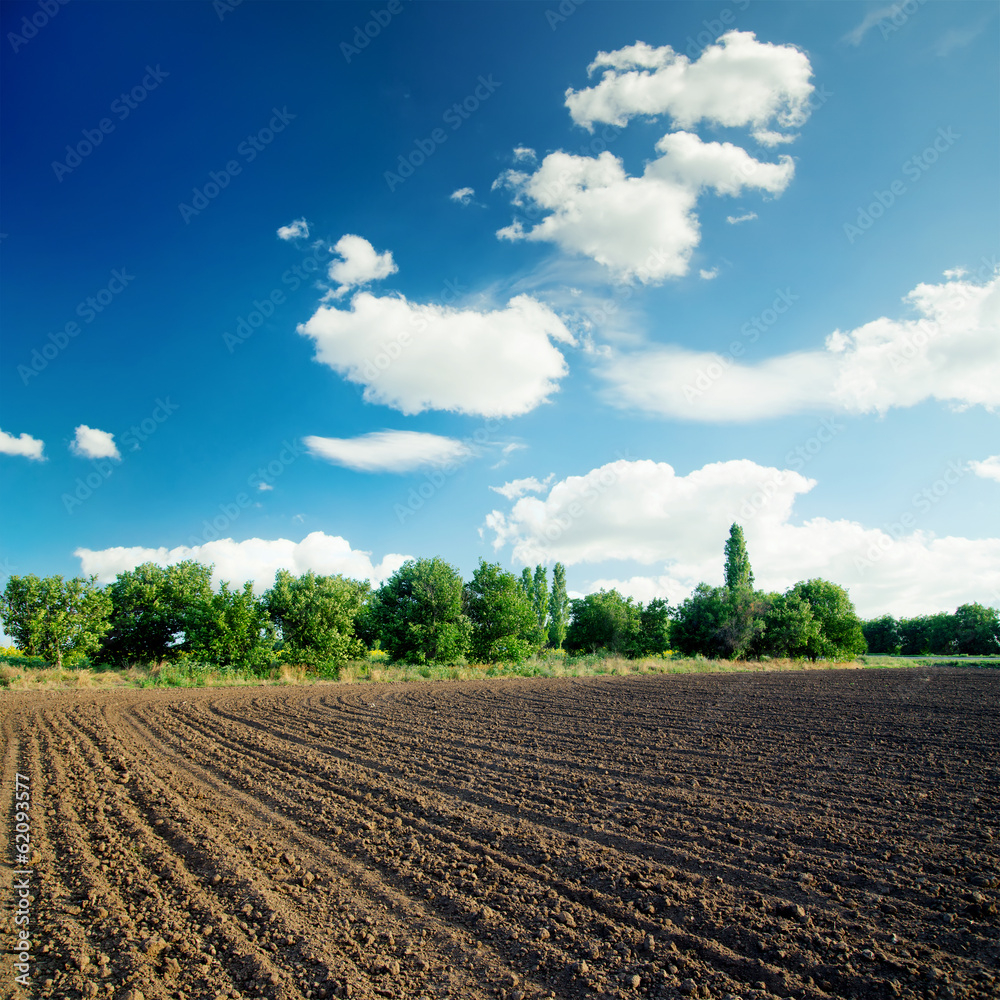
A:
583	283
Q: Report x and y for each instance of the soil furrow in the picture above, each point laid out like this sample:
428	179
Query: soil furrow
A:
805	835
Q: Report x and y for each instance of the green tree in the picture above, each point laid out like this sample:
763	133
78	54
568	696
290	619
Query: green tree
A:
152	610
739	575
883	636
840	634
742	626
417	614
977	630
697	626
928	634
558	607
654	627
504	626
55	618
605	621
233	629
790	630
719	623
315	616
540	602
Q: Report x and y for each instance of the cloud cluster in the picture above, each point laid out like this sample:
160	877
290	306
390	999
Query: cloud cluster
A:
738	81
988	468
254	559
645	228
389	451
518	487
415	357
949	352
359	264
639	228
856	35
642	511
24	445
92	443
299	229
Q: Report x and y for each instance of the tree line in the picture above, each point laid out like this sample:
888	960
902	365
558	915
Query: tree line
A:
425	613
814	619
972	630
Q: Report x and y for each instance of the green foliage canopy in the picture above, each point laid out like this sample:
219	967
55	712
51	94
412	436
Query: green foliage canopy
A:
654	628
977	630
55	618
233	629
153	608
504	621
558	607
418	615
840	634
315	616
790	629
739	575
699	622
883	636
605	620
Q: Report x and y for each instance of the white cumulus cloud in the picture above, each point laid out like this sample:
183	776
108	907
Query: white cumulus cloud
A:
463	196
518	487
735	220
642	511
949	352
416	357
359	264
389	451
24	445
254	559
92	443
299	229
738	81
640	228
988	468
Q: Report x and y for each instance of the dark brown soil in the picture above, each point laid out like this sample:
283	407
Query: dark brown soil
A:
798	834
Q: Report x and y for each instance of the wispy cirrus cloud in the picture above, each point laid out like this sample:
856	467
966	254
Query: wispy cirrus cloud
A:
519	487
950	352
389	451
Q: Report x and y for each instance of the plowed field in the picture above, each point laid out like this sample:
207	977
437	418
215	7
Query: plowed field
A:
806	834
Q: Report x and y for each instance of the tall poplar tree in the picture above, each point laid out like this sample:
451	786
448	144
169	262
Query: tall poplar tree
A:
540	601
739	575
558	607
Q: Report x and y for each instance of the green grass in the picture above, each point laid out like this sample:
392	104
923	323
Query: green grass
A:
18	673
